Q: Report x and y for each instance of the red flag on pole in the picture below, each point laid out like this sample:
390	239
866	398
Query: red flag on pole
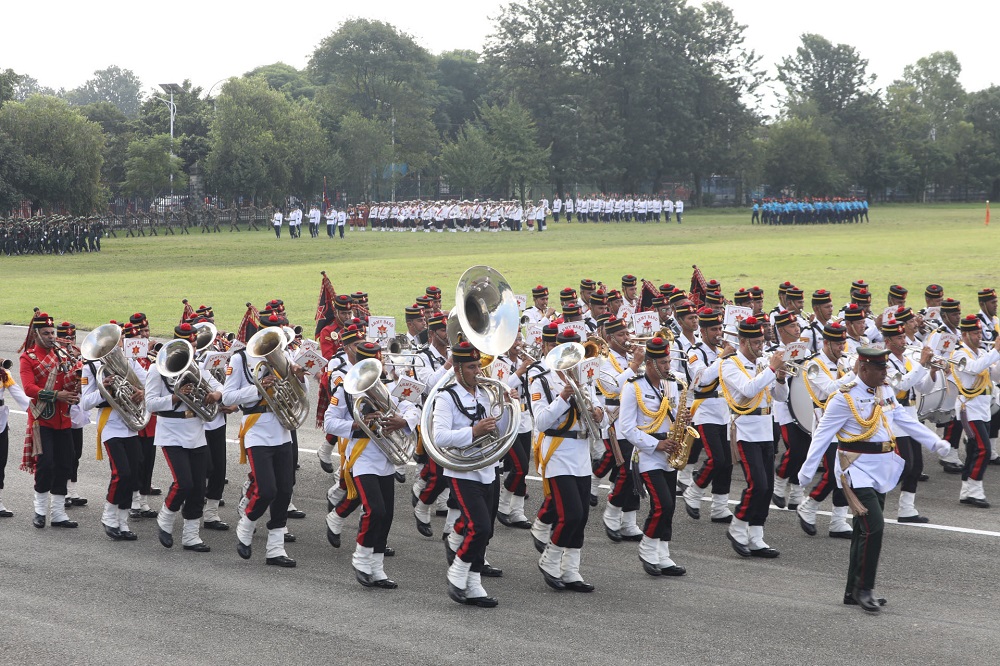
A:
987	213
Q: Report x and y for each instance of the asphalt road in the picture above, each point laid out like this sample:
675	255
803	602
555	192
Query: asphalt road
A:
76	597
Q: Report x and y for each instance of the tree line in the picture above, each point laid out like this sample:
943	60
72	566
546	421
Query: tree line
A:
620	96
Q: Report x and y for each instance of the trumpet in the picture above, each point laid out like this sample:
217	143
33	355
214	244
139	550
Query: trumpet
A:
792	369
938	362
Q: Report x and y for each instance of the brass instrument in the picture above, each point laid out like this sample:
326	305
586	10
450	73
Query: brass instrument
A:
563	359
682	434
101	344
364	383
177	365
287	397
485	314
207	339
939	362
792	369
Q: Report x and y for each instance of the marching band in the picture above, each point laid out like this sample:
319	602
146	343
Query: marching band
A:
806	406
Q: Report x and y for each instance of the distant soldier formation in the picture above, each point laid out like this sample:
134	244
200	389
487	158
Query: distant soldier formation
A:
835	210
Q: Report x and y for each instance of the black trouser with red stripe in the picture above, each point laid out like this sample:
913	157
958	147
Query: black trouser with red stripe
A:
188	467
216	480
515	463
571	503
478	503
377	495
662	488
828	483
718	467
977	451
797	443
272	470
77	452
55	463
624	494
147	451
124	458
757	459
4	444
606	463
953	433
434	478
913	457
866	541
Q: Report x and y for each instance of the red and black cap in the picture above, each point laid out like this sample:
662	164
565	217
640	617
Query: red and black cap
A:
586	284
666	289
367	349
342	302
65	330
186	331
970	323
351	334
821	296
550	333
861	296
859	284
934	291
756	293
464	352
628	280
273	319
853	312
713	298
742	297
783	287
614	325
707	318
676	296
892	327
434	293
794	293
598	297
138	319
657	348
414	312
834	332
567	295
42	320
784	318
539	291
898	291
684	308
951	305
988	294
903	314
568	335
437	321
750	328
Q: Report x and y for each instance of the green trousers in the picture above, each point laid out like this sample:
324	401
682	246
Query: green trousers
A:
866	541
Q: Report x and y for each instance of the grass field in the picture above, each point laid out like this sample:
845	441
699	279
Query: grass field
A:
907	244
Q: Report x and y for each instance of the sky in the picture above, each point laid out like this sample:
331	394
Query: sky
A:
61	43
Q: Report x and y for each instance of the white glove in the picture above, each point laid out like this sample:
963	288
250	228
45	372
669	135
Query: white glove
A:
943	448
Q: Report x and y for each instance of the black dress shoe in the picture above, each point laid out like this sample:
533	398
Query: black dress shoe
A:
113	532
778	501
282	561
491	571
400	477
296	514
455	594
78	501
923	477
153	490
482	602
424	528
951	468
579	586
867	601
651	569
389	552
741	550
363	578
413	501
199	547
166	538
593	500
847	534
441	513
692	511
73	523
808	528
290	538
850	601
128	535
673	571
222	502
971	501
326	467
539	545
386	584
520	524
67	503
680	490
449	554
216	525
793	507
995	461
243	549
38	521
552	581
614	535
504	519
913	519
147	513
333	538
766	553
632	537
728	519
4	513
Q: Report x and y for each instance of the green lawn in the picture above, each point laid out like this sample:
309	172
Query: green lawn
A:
908	244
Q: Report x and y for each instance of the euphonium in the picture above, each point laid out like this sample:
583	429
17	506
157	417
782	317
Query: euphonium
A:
204	342
101	344
363	382
682	434
486	315
177	365
287	398
564	358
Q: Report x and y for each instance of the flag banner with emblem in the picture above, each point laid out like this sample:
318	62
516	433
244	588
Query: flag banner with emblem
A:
796	351
311	360
533	335
136	347
589	367
645	324
408	388
215	360
889	313
578	326
236	345
946	343
381	330
499	370
625	312
734	315
522	301
309	344
933	312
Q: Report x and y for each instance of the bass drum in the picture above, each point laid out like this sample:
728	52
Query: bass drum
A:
800	403
937	406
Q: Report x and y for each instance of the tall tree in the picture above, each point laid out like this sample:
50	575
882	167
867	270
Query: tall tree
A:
461	83
119	86
364	144
469	162
285	78
150	165
798	158
512	134
826	75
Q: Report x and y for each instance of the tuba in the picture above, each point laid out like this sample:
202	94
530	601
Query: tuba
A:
564	358
486	315
363	382
101	344
287	398
177	365
206	341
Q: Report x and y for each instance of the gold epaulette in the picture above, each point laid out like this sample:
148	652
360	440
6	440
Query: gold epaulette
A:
846	388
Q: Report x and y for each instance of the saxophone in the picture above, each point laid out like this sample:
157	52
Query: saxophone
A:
682	435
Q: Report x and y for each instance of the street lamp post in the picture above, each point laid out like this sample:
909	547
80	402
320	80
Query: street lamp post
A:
170	89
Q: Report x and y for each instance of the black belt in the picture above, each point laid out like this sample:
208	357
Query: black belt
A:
186	414
612	402
572	434
259	409
704	395
760	411
867	447
358	434
905	402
